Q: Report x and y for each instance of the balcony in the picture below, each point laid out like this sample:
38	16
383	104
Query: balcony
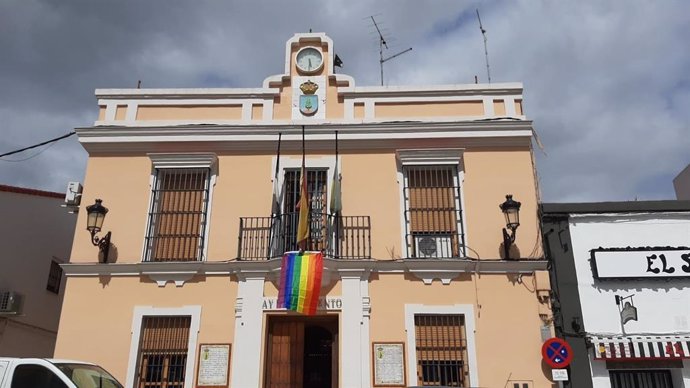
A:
338	237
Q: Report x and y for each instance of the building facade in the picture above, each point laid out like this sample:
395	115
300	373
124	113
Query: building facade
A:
620	275
416	287
681	184
36	237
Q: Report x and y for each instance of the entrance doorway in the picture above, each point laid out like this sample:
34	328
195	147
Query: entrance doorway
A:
301	352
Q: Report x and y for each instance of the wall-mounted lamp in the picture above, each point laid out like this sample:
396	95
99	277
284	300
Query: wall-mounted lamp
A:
511	210
96	214
626	309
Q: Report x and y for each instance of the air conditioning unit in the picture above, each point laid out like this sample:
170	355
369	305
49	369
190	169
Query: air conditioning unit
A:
10	303
73	194
435	246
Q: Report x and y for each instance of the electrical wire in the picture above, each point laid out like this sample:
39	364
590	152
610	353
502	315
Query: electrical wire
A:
38	145
30	157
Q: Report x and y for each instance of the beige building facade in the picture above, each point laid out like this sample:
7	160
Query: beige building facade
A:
416	288
35	239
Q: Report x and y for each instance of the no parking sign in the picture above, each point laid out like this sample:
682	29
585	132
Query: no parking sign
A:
557	353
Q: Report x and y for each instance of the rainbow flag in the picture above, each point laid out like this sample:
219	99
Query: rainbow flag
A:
300	281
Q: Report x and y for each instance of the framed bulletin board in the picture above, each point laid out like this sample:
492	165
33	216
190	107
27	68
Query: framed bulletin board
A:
213	365
389	364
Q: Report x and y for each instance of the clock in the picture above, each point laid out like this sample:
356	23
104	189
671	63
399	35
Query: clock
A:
309	60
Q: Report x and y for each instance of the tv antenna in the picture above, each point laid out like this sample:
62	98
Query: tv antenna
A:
382	44
486	51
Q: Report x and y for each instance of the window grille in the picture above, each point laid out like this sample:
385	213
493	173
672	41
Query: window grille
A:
177	221
318	199
432	212
640	379
54	277
163	352
441	348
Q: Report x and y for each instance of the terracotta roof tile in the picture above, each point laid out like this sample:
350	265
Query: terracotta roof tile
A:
22	190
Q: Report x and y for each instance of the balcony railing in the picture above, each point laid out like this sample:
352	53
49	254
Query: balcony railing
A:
338	237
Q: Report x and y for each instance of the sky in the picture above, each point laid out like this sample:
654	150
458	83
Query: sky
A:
607	83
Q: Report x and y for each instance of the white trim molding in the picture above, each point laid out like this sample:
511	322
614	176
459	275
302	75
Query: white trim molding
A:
311	163
271	268
186	160
249	331
261	136
466	310
194	312
430	156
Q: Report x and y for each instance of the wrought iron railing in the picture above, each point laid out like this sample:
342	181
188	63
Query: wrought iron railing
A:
338	237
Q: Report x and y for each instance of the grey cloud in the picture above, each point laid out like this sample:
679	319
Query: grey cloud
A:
606	83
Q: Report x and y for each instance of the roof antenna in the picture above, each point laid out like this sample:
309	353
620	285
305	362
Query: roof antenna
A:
382	44
486	51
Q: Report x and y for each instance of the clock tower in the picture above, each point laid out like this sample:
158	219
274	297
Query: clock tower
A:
309	84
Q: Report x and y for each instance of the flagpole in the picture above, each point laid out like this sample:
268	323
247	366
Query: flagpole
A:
275	211
303	232
337	213
305	185
275	176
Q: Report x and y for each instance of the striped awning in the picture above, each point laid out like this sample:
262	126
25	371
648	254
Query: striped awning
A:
641	348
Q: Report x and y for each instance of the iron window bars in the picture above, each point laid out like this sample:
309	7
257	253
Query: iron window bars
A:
163	350
433	215
441	349
54	277
177	219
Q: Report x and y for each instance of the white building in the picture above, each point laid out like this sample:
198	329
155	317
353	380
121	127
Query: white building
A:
35	238
622	252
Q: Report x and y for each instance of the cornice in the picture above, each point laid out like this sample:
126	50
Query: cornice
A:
194	93
314	126
479	90
265	268
432	156
269	90
262	137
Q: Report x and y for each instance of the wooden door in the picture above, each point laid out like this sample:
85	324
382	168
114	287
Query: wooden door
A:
284	366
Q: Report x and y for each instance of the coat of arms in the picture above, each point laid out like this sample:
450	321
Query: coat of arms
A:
308	102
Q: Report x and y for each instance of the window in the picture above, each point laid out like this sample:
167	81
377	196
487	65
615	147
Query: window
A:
54	277
441	350
641	379
32	376
163	352
432	212
318	200
178	215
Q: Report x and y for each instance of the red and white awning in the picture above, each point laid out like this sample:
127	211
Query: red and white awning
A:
641	348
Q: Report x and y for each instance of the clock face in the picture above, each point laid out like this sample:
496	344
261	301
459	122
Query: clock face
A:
309	60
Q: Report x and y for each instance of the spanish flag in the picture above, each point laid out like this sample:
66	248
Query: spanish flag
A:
303	207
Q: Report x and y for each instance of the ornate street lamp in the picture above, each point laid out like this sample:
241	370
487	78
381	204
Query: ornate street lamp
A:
96	214
511	211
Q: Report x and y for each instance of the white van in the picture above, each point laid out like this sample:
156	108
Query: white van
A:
48	373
